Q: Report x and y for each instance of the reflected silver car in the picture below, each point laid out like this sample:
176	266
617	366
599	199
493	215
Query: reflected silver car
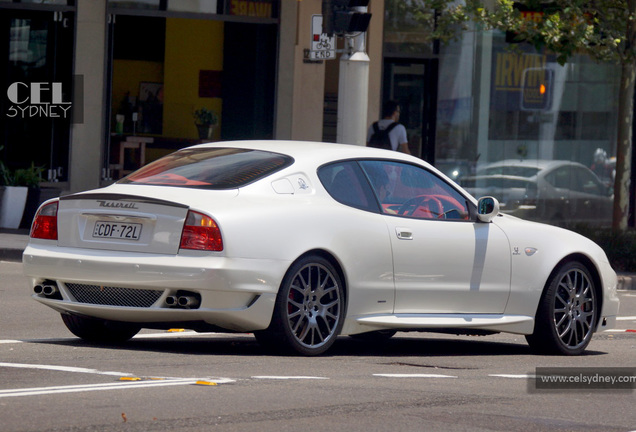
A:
557	192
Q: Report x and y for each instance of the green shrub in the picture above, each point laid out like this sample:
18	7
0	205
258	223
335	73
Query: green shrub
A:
620	246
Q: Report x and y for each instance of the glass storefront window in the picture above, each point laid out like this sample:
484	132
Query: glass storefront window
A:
513	124
538	136
179	66
37	76
406	28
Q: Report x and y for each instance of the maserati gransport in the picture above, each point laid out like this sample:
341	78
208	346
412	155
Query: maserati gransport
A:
300	243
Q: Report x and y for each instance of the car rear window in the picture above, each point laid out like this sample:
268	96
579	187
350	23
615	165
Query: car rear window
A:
209	168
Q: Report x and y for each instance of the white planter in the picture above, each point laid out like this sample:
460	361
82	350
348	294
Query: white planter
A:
12	206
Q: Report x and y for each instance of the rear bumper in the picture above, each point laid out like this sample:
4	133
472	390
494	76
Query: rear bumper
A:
252	317
236	294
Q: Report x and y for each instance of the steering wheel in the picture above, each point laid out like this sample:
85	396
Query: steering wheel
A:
434	205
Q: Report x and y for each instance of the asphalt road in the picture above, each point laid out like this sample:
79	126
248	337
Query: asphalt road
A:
182	381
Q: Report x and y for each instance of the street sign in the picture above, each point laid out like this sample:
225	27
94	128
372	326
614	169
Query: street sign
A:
323	47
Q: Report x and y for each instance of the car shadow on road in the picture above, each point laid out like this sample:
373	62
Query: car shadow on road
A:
244	345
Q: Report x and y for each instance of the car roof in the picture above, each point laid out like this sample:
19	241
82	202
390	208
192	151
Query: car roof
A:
318	152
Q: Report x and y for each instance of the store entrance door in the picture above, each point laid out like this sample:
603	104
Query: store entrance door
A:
413	83
36	66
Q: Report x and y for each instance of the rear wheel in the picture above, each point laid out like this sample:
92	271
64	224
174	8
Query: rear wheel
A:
566	316
94	330
310	308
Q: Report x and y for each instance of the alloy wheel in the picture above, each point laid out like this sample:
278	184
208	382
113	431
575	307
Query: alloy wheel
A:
314	306
574	312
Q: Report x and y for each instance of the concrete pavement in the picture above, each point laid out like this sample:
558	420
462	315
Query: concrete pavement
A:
13	242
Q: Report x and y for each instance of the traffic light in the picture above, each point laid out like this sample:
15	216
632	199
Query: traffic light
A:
536	89
343	17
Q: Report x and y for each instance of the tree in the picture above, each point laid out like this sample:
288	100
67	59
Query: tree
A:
605	30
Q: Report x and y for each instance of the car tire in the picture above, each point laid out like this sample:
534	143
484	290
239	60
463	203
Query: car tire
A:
101	331
566	316
310	309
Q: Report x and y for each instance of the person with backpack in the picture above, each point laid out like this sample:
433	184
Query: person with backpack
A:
388	133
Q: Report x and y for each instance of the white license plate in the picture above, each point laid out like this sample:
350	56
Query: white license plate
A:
117	230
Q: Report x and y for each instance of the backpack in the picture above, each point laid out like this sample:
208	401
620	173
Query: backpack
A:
380	138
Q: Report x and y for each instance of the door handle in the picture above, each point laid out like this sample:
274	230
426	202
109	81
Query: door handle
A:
404	233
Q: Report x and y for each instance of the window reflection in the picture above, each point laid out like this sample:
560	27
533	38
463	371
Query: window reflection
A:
525	109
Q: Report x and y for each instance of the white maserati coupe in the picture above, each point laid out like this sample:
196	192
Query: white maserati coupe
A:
301	242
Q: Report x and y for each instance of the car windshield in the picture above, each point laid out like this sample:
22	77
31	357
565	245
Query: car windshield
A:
516	171
209	168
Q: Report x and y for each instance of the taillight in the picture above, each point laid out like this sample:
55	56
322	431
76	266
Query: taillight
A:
45	222
201	232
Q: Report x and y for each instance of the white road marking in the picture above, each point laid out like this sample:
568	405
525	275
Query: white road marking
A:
275	377
122	385
413	376
178	334
63	369
514	376
93	387
626	318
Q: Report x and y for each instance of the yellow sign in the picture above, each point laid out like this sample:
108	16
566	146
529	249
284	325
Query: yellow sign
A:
509	69
253	8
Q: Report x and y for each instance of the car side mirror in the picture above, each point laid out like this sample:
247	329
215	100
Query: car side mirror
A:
487	209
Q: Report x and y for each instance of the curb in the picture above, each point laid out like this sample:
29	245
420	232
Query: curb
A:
626	282
14	255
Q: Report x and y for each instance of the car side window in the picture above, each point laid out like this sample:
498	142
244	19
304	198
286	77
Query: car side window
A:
560	178
347	184
586	182
411	191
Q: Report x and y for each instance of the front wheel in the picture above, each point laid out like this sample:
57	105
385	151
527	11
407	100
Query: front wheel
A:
310	308
99	331
566	316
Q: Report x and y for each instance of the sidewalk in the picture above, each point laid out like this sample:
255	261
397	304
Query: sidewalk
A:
13	242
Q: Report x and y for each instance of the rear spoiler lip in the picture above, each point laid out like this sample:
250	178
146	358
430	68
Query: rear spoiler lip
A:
122	198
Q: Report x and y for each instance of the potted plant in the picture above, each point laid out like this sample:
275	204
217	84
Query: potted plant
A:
205	120
13	199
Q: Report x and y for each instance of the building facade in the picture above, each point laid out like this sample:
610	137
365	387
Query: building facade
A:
96	88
